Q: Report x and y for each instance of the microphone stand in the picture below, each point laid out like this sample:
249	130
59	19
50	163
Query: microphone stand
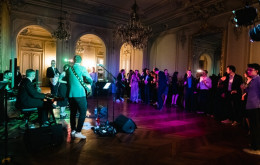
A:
113	115
109	73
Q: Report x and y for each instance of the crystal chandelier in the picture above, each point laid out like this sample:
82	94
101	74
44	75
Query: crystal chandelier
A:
62	32
79	48
134	33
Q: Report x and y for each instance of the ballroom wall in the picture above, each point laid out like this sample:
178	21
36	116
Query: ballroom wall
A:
5	54
172	49
237	49
169	49
163	52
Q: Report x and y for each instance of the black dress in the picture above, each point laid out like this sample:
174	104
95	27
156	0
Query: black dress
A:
175	86
62	92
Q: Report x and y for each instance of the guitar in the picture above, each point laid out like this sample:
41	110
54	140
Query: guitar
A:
86	86
88	89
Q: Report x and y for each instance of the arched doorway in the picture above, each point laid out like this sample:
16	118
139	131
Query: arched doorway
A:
130	58
206	51
205	62
35	50
93	51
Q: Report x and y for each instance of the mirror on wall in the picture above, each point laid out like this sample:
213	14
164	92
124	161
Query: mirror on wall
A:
206	52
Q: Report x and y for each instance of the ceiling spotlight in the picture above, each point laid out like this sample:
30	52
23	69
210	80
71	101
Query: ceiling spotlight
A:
245	16
255	33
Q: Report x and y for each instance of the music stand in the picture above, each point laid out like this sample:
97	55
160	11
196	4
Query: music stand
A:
106	86
98	110
105	129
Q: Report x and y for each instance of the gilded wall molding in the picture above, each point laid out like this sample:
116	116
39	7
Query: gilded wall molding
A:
16	4
203	13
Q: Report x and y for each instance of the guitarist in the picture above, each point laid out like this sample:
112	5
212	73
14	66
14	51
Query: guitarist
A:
77	95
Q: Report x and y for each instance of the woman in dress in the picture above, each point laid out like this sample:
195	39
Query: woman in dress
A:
62	92
175	92
134	86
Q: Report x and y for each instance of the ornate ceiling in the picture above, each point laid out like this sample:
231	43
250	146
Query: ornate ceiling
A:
159	14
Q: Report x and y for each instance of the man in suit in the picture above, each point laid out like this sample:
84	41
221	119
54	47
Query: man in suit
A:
189	90
77	96
162	84
253	108
53	75
233	95
29	97
120	86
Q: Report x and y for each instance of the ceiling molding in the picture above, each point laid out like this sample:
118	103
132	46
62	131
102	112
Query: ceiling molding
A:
159	14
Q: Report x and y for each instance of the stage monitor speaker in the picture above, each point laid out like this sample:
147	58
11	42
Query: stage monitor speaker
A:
41	138
124	124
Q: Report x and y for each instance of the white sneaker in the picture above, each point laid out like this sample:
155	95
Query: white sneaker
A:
117	100
73	133
79	135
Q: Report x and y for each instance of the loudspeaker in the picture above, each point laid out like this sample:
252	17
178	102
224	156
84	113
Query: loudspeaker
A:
124	124
41	138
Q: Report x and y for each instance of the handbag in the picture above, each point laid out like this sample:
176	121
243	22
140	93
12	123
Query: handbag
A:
86	86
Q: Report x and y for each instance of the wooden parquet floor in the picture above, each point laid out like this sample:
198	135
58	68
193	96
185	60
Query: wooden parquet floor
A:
167	137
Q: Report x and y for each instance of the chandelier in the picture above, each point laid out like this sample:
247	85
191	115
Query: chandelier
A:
62	32
134	33
79	48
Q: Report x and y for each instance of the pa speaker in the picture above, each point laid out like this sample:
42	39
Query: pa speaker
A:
44	137
255	33
124	124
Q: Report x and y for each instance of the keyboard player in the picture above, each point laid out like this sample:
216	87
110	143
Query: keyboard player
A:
29	97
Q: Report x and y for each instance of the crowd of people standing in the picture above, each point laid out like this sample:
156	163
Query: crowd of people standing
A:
230	98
